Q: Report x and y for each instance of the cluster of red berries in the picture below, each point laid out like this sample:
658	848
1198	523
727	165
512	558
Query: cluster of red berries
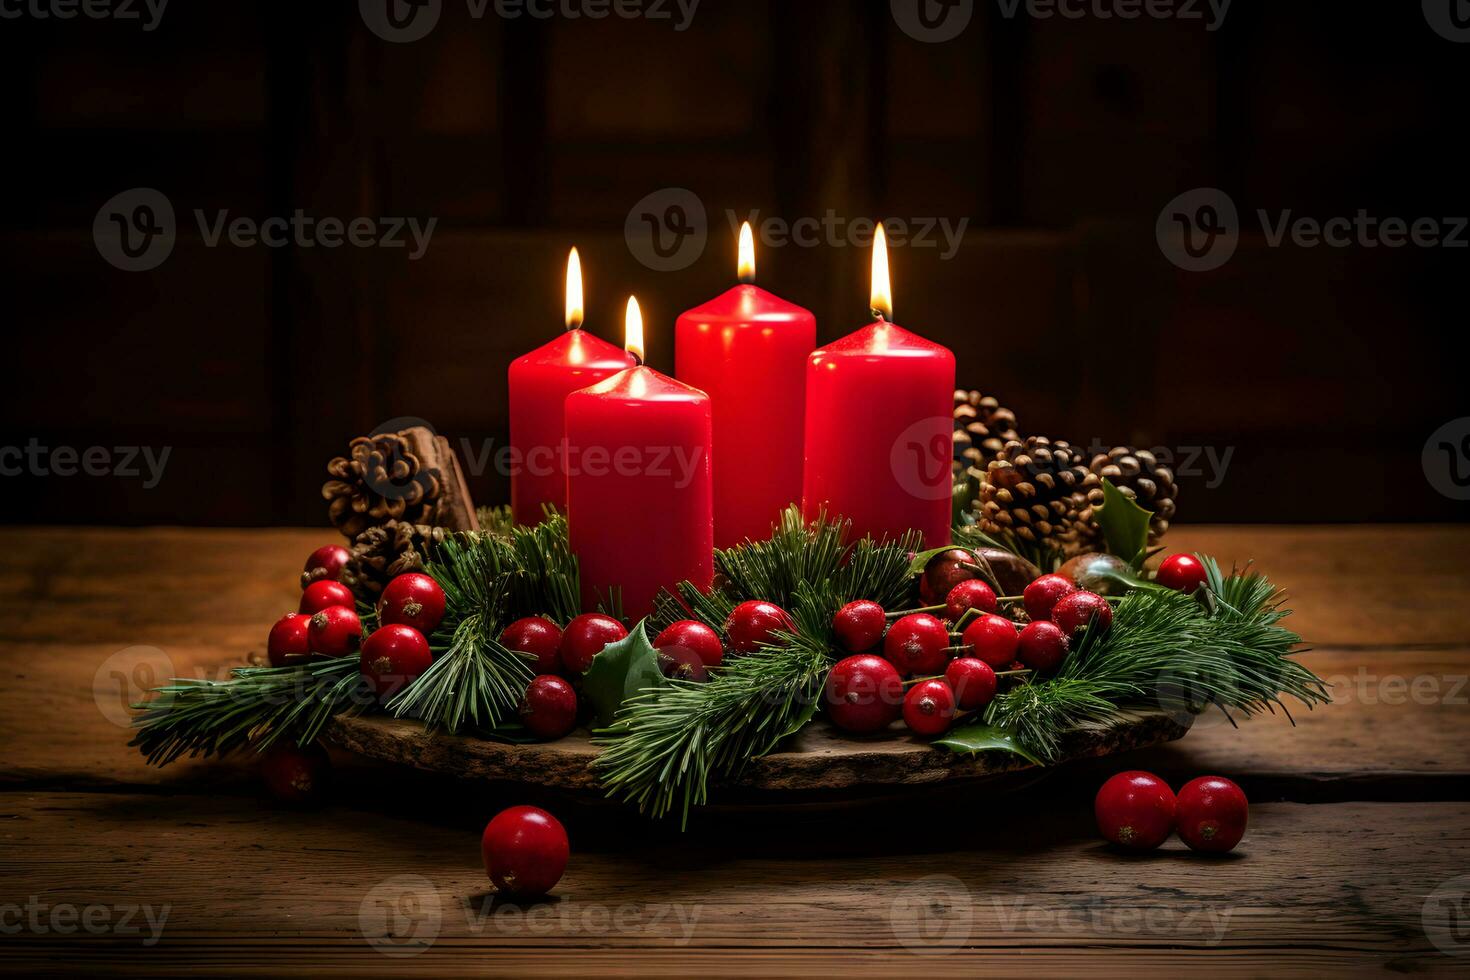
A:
326	624
865	691
1138	811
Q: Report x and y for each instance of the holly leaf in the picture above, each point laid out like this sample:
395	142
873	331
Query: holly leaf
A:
620	671
980	737
1124	524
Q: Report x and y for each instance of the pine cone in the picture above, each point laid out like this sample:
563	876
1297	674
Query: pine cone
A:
381	480
382	552
982	427
1034	490
1141	478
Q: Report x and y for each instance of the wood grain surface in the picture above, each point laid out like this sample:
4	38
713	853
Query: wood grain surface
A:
1360	824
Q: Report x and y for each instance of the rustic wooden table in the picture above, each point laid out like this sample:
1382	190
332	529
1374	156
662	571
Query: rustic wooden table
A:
1358	855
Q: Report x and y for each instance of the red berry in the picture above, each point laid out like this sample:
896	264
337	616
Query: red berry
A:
1135	810
696	638
1211	814
296	775
334	632
537	637
916	645
584	639
972	680
326	562
971	594
1183	572
756	622
324	595
859	625
394	657
864	694
928	708
413	600
681	664
525	850
549	707
993	640
943	572
1041	595
1075	612
288	644
1041	646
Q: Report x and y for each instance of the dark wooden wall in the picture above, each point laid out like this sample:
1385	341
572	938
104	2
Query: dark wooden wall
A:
1323	369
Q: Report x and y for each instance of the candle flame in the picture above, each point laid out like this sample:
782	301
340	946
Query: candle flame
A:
574	290
633	329
746	266
882	296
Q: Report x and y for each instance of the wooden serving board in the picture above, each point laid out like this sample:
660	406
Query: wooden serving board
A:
816	759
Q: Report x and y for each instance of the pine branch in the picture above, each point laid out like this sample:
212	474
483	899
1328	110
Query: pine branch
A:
256	705
1167	650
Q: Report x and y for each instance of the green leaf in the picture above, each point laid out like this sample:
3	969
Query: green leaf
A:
620	671
980	737
1124	524
922	559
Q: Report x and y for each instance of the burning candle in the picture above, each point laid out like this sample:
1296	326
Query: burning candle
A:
878	425
639	504
539	384
747	348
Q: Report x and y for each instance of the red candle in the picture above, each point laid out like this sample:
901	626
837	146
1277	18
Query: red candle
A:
539	384
747	348
879	426
639	504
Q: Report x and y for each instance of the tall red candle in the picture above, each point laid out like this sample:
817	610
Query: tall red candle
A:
879	426
747	349
539	384
639	507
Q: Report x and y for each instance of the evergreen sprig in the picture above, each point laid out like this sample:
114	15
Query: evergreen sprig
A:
258	705
1224	647
667	744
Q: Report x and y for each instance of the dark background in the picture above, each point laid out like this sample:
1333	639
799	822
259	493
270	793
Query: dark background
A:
1324	369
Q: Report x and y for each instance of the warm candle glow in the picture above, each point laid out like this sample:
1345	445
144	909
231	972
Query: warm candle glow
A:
882	301
746	267
574	290
633	329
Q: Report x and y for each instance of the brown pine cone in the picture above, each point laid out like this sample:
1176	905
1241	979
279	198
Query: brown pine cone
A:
1033	491
982	427
380	480
383	552
1140	477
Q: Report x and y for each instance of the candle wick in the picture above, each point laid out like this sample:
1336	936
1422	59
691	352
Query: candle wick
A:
637	358
878	314
747	278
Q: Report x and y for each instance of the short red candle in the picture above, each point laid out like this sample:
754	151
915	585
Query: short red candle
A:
639	507
539	385
879	433
747	348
